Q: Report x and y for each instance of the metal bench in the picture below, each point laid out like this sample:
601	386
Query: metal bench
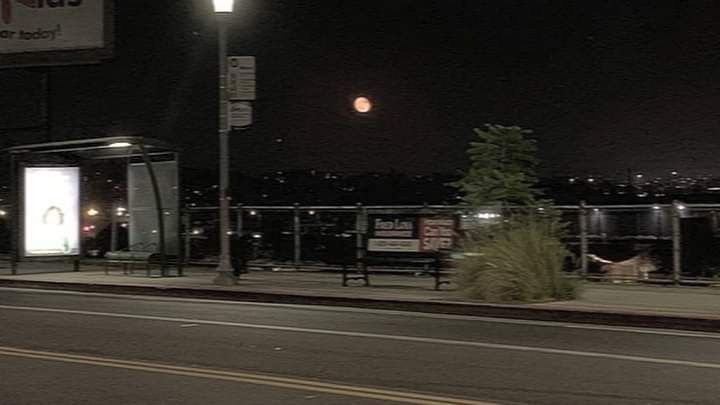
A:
140	254
432	264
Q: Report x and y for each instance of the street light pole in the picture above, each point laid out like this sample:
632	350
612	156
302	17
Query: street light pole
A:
225	275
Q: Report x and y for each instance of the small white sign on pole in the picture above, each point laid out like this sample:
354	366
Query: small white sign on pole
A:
241	78
240	114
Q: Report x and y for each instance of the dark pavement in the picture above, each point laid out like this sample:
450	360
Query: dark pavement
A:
62	347
684	308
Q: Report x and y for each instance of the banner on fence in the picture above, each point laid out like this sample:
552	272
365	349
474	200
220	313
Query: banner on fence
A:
409	234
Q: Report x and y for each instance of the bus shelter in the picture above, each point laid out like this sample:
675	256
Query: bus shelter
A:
46	189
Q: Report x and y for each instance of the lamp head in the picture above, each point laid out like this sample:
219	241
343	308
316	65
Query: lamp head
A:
223	6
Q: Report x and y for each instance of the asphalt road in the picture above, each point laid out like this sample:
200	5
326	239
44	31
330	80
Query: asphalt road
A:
73	348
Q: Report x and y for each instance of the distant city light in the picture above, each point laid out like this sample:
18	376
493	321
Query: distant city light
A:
311	212
487	215
596	209
253	212
120	145
92	212
3	213
591	180
362	105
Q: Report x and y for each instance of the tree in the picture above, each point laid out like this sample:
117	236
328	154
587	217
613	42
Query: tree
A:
520	258
502	167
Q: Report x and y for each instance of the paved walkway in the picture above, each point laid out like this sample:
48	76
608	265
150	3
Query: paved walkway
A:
614	304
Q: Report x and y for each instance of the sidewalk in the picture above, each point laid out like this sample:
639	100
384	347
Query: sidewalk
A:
693	308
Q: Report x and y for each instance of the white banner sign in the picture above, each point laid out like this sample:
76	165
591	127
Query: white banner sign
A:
50	25
241	78
52	211
393	245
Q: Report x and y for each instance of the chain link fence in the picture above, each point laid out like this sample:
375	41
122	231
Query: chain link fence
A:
669	243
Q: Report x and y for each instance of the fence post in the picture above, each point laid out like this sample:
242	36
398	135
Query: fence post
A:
583	222
187	234
239	227
360	219
296	235
677	246
113	227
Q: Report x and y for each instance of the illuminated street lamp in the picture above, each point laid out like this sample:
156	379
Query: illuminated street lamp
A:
92	212
225	275
223	6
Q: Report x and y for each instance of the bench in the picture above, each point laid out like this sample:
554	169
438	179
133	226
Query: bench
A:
140	254
430	263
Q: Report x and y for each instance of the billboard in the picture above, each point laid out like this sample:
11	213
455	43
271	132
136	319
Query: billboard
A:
410	234
52	211
54	31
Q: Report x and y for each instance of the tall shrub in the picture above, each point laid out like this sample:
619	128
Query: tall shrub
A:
521	257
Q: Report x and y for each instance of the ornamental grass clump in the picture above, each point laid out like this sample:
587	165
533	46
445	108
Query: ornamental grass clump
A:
519	261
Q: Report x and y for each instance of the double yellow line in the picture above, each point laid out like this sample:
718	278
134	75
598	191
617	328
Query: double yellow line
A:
248	378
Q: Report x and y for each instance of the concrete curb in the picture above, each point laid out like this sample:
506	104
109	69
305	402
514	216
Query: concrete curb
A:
452	308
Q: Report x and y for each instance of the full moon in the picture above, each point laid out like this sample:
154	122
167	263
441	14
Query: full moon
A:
362	105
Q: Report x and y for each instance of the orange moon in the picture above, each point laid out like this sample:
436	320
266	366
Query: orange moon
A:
362	105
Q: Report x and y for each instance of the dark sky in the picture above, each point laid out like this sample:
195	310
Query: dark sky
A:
607	85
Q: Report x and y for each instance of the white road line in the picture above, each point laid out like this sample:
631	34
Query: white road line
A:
414	339
380	312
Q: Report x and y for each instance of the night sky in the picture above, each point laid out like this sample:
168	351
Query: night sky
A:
607	85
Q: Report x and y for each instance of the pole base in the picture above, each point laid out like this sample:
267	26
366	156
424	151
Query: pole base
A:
225	278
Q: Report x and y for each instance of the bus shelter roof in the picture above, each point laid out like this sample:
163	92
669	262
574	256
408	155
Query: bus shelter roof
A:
96	148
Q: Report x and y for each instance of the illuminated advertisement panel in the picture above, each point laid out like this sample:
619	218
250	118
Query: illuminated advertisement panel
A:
52	198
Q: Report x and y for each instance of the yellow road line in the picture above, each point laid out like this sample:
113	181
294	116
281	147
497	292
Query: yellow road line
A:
250	378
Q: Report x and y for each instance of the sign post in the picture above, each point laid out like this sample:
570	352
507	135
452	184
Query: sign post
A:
241	78
241	90
240	114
